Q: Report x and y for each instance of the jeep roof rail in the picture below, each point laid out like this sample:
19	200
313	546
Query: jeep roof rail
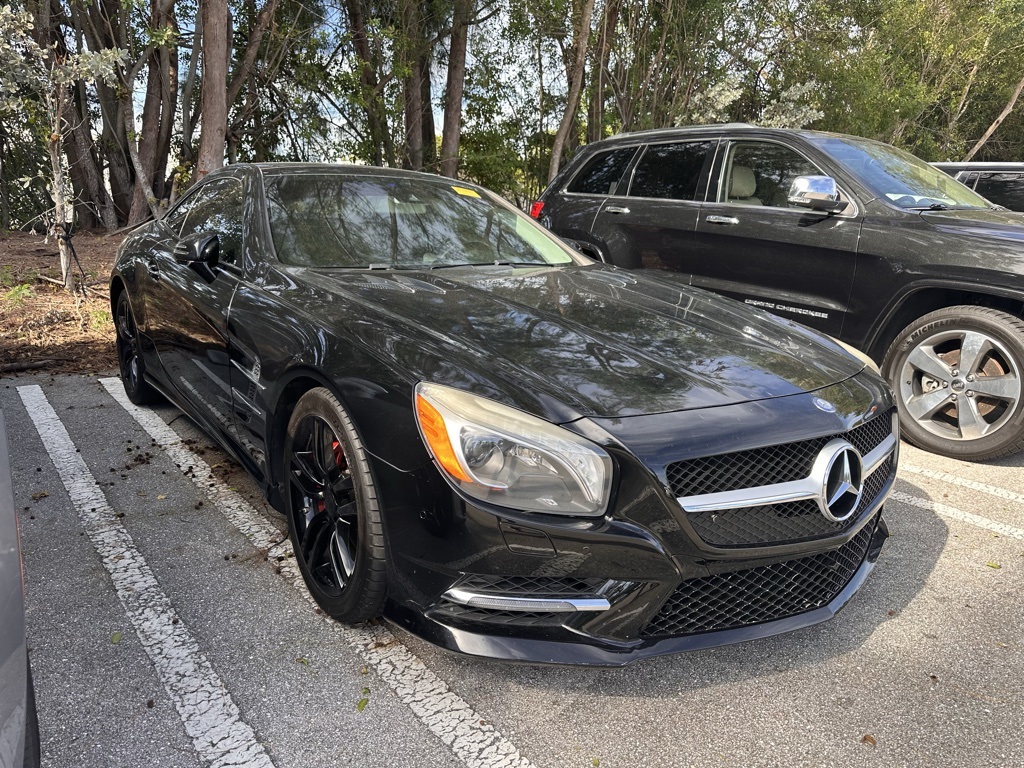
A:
974	166
680	129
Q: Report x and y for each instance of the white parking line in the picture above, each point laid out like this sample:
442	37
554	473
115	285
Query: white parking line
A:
209	714
958	514
442	711
963	482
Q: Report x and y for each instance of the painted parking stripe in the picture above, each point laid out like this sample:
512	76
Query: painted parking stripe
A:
963	482
953	513
443	712
211	719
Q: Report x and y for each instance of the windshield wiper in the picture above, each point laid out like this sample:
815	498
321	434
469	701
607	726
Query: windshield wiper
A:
932	207
495	263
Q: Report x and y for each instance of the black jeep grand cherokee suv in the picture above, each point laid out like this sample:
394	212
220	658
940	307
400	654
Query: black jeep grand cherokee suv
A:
850	236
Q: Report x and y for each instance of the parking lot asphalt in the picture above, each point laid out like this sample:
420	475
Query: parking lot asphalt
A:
167	628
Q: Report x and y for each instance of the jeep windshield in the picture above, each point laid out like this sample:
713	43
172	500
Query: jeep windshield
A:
897	176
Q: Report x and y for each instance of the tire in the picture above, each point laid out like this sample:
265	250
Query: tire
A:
129	360
973	413
334	517
32	752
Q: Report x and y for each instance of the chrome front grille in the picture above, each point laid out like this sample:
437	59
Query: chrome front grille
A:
723	521
791	522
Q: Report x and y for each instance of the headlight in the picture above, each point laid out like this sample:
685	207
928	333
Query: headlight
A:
858	354
503	456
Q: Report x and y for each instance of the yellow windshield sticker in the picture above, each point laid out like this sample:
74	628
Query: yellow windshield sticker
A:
466	192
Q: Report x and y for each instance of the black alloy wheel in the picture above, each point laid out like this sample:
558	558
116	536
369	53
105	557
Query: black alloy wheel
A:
334	519
957	374
129	360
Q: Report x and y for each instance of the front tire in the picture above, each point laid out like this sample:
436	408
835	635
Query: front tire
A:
334	517
129	357
957	375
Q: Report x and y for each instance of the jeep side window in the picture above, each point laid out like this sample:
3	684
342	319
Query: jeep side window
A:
761	173
1006	189
603	173
671	171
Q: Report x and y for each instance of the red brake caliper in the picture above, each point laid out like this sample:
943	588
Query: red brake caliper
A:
339	460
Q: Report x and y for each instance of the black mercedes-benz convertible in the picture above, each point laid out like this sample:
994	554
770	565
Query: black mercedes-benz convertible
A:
503	446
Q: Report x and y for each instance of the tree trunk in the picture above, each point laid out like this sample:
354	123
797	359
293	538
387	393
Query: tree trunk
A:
148	137
252	48
412	86
60	224
103	24
376	120
595	119
89	164
452	126
5	187
91	200
582	37
429	140
169	100
214	86
189	114
84	210
997	122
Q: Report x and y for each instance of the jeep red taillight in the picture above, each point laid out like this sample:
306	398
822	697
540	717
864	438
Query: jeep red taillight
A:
535	208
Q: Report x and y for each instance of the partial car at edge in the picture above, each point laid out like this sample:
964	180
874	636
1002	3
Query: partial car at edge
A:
1000	183
19	727
508	449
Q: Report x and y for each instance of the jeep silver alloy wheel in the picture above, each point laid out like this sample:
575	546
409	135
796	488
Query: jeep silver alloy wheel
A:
958	376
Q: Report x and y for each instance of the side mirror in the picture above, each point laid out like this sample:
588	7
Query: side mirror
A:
203	248
818	193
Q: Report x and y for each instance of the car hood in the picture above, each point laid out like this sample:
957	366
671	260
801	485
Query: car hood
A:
1002	225
601	341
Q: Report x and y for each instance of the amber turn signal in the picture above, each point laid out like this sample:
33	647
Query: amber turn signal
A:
436	435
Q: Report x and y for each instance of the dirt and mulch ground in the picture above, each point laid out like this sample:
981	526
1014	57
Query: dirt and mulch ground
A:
42	326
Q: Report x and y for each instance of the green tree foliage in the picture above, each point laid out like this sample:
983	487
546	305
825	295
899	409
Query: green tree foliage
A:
368	81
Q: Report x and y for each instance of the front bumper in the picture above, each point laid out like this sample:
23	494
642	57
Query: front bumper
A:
564	646
654	576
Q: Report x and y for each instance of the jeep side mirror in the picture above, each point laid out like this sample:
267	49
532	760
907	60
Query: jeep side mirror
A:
818	193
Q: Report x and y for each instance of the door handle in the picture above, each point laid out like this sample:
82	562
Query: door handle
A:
722	220
616	209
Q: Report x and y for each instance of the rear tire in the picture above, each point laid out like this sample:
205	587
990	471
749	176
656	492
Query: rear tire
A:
957	374
334	516
129	357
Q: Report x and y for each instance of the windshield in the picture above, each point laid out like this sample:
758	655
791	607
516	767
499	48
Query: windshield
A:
898	176
359	221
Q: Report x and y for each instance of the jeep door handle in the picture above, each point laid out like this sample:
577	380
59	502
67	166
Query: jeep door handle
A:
616	209
722	220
